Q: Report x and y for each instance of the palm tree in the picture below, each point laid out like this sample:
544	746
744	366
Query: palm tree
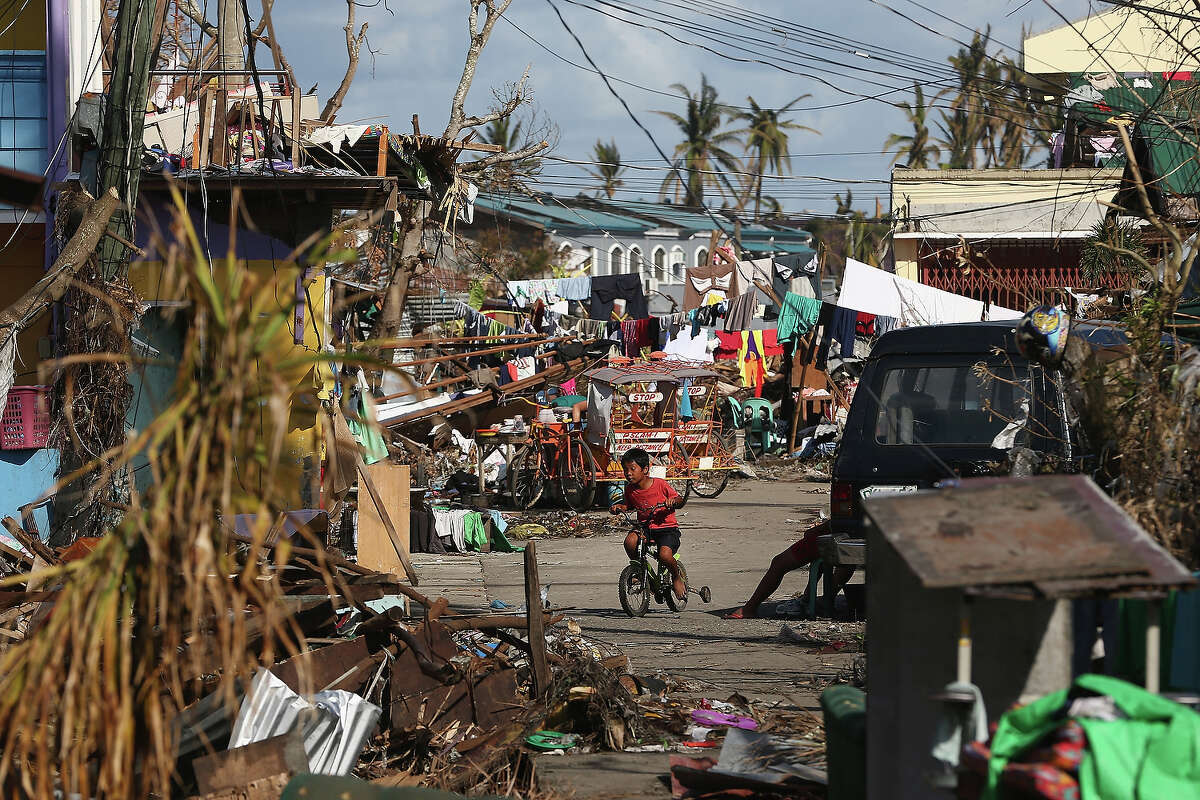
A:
505	132
767	141
608	167
969	123
917	147
702	151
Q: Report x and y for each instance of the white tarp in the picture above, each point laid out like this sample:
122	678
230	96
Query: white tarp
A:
874	291
335	724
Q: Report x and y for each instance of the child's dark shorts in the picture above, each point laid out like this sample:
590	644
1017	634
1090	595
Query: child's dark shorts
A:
665	537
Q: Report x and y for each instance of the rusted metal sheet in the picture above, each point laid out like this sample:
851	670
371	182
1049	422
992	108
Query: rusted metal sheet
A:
325	666
1057	532
487	697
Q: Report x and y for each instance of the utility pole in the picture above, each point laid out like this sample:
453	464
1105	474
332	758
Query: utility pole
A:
137	32
231	44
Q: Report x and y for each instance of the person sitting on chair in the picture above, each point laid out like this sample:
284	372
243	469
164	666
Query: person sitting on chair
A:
575	402
800	554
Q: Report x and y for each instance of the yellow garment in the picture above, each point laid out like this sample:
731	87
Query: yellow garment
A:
458	327
747	378
713	299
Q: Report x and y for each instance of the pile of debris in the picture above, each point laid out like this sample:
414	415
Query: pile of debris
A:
399	689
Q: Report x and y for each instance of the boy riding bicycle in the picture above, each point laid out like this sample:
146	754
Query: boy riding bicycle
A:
655	502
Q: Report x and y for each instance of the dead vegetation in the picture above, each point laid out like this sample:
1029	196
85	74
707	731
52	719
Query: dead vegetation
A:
163	601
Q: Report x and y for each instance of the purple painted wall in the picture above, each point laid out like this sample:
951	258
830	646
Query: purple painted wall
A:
58	55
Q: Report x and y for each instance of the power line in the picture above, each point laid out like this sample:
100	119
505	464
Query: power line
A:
629	111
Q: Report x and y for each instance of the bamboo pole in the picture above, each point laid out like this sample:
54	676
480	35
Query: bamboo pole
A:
464	340
486	351
479	399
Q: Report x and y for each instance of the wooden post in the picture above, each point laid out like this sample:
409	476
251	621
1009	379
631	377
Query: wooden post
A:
381	158
537	622
807	344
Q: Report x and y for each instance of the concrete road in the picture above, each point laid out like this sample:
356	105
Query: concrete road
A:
727	544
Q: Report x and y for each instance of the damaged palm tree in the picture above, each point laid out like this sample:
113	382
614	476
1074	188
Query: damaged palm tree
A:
166	601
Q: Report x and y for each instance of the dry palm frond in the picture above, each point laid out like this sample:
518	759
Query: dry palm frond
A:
87	702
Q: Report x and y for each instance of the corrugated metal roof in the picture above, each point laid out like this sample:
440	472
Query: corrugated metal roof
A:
552	215
1057	535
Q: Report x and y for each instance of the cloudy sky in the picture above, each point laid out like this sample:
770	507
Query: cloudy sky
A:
845	54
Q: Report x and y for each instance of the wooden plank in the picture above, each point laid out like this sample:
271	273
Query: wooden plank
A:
401	547
482	147
537	622
234	769
29	541
381	157
375	549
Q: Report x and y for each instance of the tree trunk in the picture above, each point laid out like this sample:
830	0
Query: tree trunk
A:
406	259
139	22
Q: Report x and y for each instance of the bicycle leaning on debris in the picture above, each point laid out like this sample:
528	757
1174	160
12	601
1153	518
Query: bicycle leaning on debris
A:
646	578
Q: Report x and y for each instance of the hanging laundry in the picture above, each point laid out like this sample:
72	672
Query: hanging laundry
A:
685	400
771	345
824	322
750	274
884	324
607	288
741	311
474	534
575	288
844	320
451	527
730	342
525	367
599	412
797	317
1104	147
706	281
754	374
864	324
687	347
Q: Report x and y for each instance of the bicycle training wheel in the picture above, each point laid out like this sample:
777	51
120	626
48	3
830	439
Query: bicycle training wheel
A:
673	602
634	592
709	483
577	476
525	479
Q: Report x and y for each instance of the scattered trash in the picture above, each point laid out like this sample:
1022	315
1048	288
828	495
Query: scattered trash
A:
715	719
551	740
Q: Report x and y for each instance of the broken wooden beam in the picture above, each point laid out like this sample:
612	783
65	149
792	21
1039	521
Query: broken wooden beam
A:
234	769
537	623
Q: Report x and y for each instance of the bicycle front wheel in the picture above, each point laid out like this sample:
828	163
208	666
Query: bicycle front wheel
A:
526	480
634	591
577	476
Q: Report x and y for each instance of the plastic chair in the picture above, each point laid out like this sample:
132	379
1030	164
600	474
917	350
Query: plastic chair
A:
759	418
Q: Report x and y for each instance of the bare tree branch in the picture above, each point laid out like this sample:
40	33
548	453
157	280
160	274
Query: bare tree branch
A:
193	13
472	167
479	38
353	46
518	96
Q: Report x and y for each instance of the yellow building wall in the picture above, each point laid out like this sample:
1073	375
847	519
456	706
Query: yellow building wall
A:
304	443
923	188
28	31
1121	40
20	268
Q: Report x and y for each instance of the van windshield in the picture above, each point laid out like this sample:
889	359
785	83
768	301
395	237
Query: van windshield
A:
975	404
